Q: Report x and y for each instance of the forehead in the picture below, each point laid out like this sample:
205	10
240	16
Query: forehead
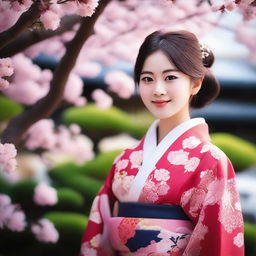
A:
157	61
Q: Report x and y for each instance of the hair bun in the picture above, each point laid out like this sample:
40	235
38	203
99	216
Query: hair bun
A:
207	55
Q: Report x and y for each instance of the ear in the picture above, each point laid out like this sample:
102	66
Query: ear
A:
196	86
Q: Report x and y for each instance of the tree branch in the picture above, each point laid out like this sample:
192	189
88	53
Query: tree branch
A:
32	37
25	20
45	107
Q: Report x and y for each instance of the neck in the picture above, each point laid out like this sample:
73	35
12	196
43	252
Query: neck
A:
168	124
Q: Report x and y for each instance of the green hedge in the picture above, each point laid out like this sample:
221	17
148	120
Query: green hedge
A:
9	108
241	152
91	118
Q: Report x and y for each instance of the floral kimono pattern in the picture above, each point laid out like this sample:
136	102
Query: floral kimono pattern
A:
184	170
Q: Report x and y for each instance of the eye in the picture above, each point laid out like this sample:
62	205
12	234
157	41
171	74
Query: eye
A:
146	79
171	77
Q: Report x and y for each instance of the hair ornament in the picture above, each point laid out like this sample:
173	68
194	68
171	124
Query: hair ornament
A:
205	51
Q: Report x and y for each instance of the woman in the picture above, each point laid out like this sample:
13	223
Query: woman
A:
174	193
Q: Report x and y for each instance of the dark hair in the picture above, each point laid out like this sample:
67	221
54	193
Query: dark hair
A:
183	50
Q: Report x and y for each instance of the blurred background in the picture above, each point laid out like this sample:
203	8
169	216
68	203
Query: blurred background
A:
69	143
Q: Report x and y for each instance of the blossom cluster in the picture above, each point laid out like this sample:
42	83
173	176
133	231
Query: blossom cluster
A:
8	153
30	83
45	195
60	143
11	216
45	231
246	7
6	69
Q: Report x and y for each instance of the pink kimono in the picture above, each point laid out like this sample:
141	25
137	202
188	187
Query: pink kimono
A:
175	198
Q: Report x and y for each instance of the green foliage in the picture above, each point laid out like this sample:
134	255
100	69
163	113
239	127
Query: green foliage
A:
242	153
100	166
5	186
250	239
113	120
22	191
9	108
85	185
70	226
69	199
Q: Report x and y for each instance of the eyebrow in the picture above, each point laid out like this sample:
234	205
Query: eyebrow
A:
165	71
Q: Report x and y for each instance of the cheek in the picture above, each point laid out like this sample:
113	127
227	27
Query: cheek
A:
144	92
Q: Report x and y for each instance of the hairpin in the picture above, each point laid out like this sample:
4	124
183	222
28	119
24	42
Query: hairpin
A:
205	50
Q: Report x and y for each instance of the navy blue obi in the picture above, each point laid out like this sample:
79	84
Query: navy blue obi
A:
144	210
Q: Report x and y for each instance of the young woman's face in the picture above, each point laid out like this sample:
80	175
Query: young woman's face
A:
164	90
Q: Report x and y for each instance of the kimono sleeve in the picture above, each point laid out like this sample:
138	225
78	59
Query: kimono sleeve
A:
213	205
95	239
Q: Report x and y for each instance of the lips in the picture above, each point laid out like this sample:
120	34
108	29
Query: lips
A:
160	103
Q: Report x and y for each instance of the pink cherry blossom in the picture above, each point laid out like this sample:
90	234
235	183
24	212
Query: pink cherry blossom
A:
4	84
26	86
230	5
74	88
120	83
16	222
87	9
45	195
45	231
8	153
47	138
87	69
6	67
6	209
50	20
20	6
10	216
102	100
75	129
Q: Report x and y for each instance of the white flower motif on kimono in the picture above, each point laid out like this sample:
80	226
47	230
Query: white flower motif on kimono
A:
87	251
122	183
205	173
238	206
161	175
94	214
179	157
239	240
194	197
118	157
229	216
136	159
191	142
95	241
192	164
122	164
151	191
215	151
162	188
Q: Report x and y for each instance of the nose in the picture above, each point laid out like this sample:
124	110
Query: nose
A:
159	89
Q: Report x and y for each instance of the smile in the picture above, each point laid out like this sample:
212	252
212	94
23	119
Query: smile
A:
160	103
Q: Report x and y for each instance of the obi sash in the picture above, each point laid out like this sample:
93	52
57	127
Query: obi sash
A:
149	228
